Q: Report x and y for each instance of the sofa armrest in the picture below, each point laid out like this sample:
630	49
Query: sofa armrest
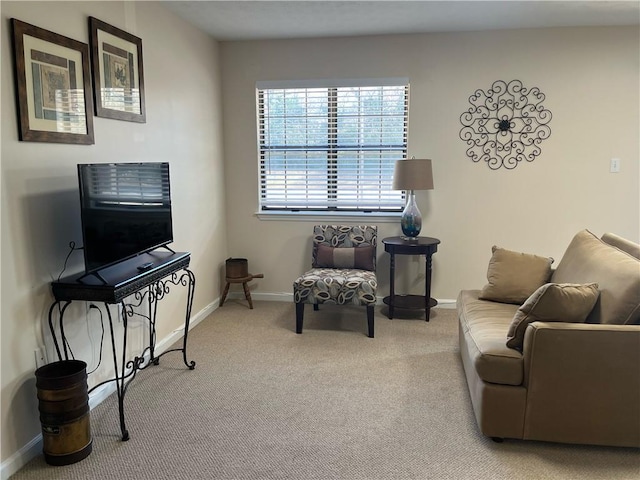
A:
583	383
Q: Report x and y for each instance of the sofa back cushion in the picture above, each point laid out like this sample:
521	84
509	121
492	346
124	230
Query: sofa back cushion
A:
590	260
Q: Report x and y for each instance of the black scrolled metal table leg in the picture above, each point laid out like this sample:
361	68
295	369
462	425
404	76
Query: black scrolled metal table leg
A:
186	279
191	290
125	322
153	311
119	379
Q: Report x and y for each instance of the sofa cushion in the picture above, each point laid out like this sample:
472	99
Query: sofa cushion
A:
484	325
622	243
514	276
552	302
589	259
345	257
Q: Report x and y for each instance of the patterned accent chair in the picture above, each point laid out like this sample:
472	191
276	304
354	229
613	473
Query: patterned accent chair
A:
343	270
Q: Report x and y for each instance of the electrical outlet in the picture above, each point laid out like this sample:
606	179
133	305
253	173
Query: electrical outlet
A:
41	359
614	166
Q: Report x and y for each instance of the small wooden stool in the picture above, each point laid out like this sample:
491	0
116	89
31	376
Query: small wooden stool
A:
237	272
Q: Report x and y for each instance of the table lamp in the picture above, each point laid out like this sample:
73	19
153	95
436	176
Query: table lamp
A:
410	175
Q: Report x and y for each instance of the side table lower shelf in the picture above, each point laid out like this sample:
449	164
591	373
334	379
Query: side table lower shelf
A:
410	302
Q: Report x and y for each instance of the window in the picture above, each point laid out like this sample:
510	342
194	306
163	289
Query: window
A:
331	147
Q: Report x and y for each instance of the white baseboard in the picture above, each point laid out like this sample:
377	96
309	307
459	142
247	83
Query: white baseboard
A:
177	334
19	459
288	297
447	303
34	447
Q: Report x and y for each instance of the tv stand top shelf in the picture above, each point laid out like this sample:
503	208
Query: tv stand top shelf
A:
118	281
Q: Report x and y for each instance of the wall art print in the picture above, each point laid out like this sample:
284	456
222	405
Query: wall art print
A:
505	124
118	77
52	86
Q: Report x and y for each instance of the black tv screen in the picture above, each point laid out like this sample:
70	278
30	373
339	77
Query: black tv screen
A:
125	210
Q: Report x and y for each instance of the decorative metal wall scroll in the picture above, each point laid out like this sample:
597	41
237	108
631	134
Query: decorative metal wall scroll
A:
505	125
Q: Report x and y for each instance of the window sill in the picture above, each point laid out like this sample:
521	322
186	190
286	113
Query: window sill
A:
381	217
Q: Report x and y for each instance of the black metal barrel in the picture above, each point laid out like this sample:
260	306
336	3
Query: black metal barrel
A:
63	401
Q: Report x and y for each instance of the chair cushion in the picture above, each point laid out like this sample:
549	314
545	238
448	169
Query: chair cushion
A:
337	286
361	258
589	259
514	276
553	302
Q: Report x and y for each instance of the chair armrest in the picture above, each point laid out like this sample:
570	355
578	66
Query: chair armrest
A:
583	383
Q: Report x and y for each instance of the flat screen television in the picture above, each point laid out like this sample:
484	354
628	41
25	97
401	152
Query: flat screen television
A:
125	210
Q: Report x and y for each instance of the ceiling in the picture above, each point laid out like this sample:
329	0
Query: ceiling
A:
267	19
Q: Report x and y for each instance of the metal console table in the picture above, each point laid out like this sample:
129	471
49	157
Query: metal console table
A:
149	276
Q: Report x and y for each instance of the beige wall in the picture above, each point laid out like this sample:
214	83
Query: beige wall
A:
40	210
590	77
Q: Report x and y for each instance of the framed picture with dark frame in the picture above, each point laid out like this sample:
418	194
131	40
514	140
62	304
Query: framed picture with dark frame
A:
52	86
118	78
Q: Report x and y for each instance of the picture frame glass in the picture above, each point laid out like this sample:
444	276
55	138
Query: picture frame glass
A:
55	87
118	66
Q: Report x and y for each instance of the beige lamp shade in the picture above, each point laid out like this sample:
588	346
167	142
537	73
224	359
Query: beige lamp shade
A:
413	174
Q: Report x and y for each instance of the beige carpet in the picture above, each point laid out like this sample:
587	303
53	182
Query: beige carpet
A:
265	403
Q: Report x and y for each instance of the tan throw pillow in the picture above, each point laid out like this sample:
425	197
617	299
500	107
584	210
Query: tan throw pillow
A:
345	257
553	302
514	276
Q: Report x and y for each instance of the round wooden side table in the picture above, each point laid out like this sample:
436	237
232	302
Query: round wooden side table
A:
426	246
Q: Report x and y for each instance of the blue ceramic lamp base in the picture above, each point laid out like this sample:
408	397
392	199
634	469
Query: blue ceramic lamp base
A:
411	221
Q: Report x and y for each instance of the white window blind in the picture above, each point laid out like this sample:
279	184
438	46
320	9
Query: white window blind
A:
331	148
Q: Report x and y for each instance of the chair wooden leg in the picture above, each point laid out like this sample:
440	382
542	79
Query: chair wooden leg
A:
370	312
299	315
224	294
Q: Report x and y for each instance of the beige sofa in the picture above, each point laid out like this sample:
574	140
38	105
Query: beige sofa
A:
570	382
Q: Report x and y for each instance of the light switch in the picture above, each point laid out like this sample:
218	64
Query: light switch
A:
614	166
